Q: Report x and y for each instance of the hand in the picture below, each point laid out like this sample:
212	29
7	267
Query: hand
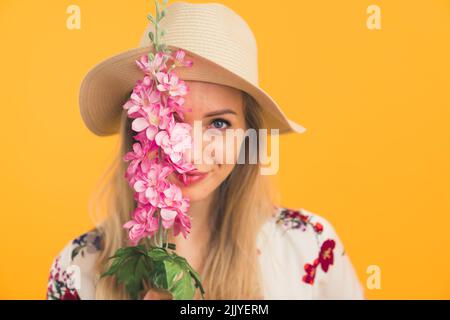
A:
157	294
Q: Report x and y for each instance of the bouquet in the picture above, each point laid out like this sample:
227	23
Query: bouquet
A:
161	146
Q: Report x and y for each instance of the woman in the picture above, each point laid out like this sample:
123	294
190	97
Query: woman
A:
242	245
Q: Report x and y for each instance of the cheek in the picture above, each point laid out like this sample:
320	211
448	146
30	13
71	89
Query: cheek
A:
218	175
202	190
223	171
223	150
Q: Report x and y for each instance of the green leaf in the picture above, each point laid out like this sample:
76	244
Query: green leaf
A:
131	266
157	254
194	275
159	278
113	268
182	286
158	17
198	283
151	18
173	275
183	289
151	36
172	271
132	274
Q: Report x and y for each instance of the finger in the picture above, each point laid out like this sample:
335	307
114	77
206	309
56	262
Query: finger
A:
154	294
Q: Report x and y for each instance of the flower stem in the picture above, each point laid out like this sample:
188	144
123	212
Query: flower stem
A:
165	238
157	26
160	230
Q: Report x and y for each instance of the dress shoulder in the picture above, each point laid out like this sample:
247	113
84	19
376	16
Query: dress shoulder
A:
306	258
72	270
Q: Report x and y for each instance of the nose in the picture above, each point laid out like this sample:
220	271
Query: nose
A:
200	155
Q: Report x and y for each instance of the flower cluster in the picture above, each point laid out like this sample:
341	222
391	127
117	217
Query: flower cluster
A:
61	283
294	219
161	150
162	146
325	259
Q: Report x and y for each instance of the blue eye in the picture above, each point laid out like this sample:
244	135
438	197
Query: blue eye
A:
220	124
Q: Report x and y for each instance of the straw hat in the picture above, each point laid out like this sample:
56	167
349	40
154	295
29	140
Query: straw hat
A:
218	41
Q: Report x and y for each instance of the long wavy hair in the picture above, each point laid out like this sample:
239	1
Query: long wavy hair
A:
241	205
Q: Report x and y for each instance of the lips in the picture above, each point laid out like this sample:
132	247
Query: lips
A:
192	177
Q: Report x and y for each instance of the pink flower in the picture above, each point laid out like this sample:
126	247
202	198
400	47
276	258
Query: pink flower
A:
143	224
151	180
175	104
153	104
135	157
176	141
179	59
150	122
143	96
168	217
153	66
175	211
150	117
171	83
182	225
182	166
172	196
147	124
165	117
179	220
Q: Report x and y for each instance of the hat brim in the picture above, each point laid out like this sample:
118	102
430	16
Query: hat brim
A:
107	86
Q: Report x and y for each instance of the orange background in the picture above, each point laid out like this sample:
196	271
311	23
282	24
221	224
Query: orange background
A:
374	161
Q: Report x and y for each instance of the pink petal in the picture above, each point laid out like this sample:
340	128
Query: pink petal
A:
139	124
160	136
139	186
168	214
129	224
151	132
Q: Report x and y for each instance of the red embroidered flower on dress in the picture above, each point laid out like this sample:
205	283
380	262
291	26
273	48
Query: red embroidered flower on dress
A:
318	227
60	283
70	295
325	259
326	256
310	272
294	219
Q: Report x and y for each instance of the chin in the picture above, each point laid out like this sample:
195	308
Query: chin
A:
193	193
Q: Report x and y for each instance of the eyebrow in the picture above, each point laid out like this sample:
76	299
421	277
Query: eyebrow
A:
219	112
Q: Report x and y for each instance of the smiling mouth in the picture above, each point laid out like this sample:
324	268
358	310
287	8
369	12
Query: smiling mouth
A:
190	178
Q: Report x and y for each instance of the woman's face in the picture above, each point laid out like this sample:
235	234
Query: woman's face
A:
218	107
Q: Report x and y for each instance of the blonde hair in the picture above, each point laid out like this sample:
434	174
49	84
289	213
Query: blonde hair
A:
241	205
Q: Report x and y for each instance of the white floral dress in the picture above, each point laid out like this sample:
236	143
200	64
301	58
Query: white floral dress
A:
300	254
